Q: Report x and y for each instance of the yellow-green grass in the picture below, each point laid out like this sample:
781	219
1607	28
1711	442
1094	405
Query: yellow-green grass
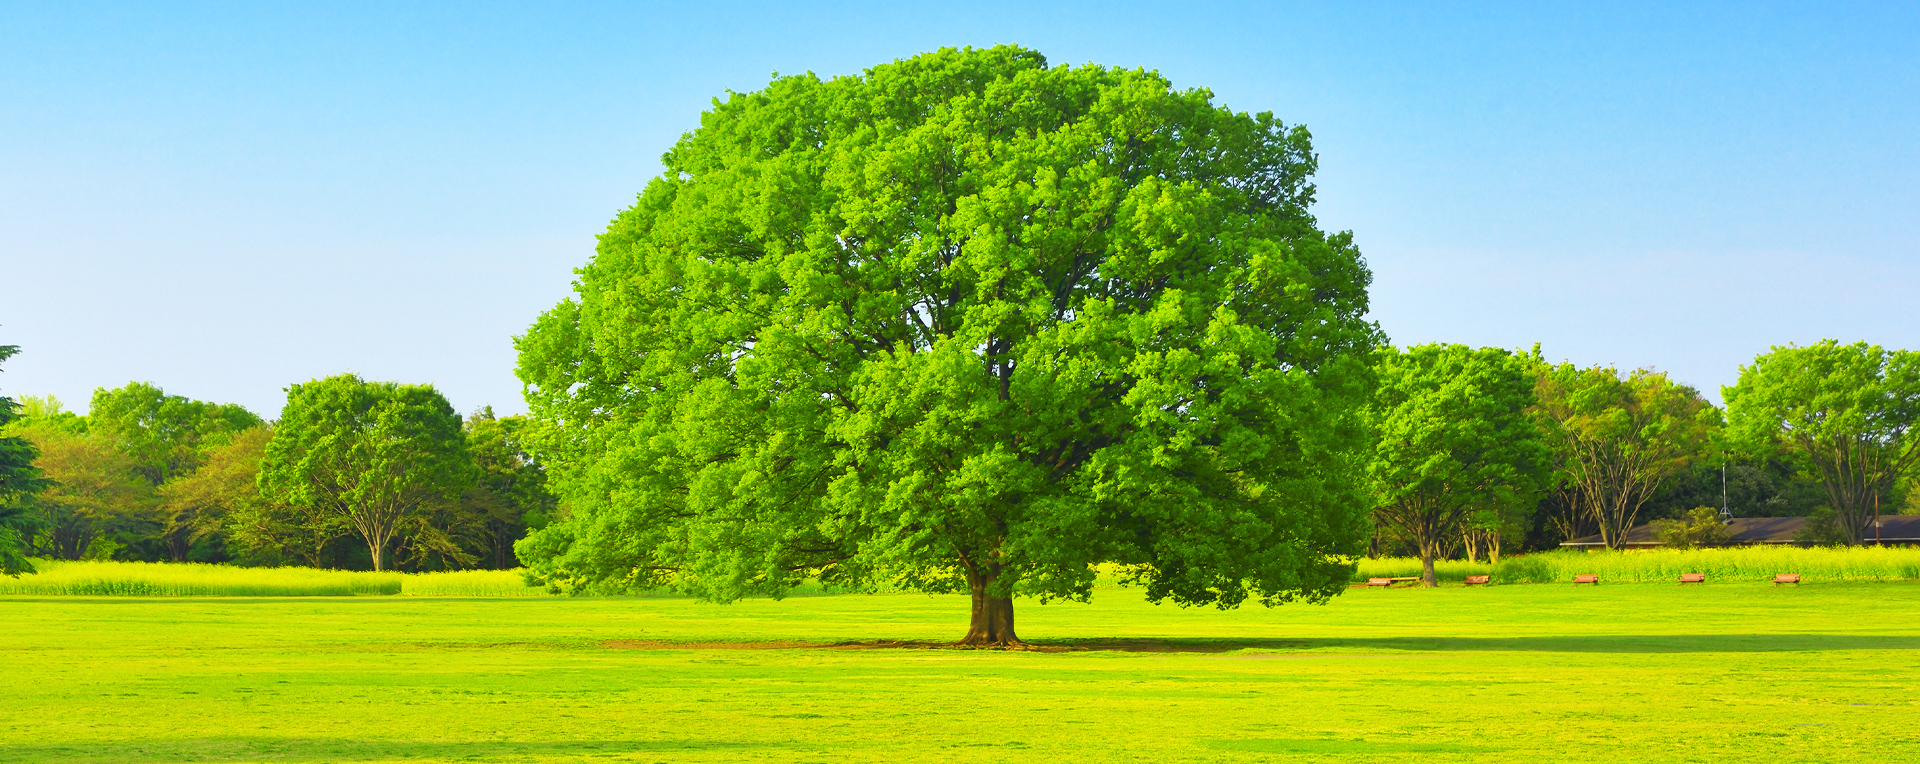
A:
1750	563
1741	672
158	579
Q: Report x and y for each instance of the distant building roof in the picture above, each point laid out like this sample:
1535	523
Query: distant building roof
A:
1894	529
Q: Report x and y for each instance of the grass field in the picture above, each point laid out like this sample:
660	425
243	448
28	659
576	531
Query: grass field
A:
1734	672
141	579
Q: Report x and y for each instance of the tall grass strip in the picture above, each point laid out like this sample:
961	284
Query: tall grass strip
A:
469	583
168	579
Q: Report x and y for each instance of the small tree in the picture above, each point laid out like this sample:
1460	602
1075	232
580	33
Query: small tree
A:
1702	526
1453	434
1620	438
374	454
1848	410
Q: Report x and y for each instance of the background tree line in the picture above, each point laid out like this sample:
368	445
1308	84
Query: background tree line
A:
1480	450
354	474
1475	452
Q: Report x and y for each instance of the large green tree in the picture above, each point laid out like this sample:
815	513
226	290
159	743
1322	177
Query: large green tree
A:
1849	411
965	322
19	481
373	454
1455	443
1618	438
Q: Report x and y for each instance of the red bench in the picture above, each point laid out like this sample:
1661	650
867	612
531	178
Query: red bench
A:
1787	578
1471	580
1390	581
1587	578
1693	578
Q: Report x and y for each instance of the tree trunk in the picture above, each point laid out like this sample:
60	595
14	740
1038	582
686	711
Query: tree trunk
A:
178	544
379	561
1428	578
992	624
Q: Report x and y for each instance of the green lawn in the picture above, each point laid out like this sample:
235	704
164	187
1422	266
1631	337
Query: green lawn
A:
1726	672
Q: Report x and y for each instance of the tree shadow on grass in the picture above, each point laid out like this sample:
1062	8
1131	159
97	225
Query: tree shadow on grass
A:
235	749
1595	643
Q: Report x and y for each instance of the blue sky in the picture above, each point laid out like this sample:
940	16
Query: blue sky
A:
224	200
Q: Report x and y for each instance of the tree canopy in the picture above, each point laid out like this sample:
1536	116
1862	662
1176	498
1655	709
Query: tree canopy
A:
1617	439
373	454
1849	411
1453	436
163	434
963	322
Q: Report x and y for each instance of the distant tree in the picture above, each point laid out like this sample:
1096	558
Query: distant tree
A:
1619	439
1848	410
167	437
511	494
94	492
39	406
1454	441
198	504
20	480
965	322
1701	526
373	454
163	434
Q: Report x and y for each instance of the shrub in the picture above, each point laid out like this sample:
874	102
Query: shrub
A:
1701	527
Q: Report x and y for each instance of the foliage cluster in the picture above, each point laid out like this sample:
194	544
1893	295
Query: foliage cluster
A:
152	476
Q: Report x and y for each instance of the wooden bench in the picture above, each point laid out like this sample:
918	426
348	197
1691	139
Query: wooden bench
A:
1787	578
1472	580
1390	581
1693	578
1587	578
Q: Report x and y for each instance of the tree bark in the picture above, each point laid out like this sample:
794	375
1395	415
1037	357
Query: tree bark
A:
379	563
992	624
1428	578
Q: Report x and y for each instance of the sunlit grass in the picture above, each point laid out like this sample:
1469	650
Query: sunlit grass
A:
1740	672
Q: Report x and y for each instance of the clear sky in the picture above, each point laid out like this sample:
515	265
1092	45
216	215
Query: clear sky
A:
226	199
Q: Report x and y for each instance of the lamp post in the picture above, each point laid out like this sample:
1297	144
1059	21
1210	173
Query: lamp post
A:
1726	515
